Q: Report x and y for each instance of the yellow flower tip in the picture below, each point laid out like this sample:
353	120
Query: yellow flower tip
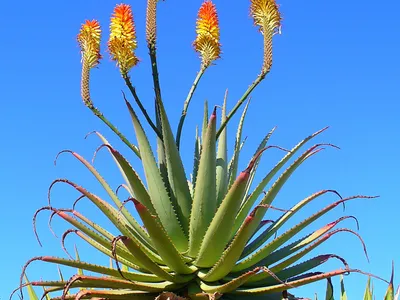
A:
89	42
266	15
207	29
122	42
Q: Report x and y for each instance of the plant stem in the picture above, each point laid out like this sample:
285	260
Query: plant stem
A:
85	93
187	102
240	102
139	103
113	128
266	67
156	80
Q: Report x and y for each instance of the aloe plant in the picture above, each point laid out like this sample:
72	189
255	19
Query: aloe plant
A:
203	237
368	293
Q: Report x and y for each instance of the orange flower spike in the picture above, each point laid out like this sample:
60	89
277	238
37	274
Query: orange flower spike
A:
208	36
122	42
266	15
89	41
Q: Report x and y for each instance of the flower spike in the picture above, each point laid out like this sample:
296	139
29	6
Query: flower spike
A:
89	42
151	26
122	42
267	17
207	29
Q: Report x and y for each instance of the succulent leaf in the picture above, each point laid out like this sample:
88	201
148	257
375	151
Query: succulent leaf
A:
157	189
204	200
222	156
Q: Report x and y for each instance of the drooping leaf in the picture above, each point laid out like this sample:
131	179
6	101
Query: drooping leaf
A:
250	201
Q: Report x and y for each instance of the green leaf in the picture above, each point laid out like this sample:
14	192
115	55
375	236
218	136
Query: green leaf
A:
233	168
286	252
389	295
136	276
113	215
176	173
161	241
108	282
232	253
135	185
60	273
273	191
222	156
205	122
248	204
264	251
343	294
80	271
261	146
368	292
154	268
113	294
31	292
97	239
329	289
204	200
295	282
157	189
252	175
216	237
229	286
281	221
138	230
196	160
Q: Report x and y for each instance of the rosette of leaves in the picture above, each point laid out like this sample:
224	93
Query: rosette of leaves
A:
203	236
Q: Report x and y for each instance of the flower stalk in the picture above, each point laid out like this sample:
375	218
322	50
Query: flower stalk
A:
267	18
122	45
151	38
207	44
187	101
89	42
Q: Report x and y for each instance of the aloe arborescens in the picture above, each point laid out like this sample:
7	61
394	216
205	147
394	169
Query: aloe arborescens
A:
197	238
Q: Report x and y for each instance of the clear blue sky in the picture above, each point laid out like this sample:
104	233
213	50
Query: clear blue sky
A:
336	63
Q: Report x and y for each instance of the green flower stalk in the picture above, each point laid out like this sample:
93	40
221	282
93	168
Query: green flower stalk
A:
267	18
122	45
207	44
89	42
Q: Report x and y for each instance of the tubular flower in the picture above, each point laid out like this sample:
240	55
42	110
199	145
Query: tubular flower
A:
266	14
151	26
89	42
207	29
122	42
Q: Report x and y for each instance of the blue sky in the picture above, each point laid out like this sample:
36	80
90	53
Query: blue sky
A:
336	63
